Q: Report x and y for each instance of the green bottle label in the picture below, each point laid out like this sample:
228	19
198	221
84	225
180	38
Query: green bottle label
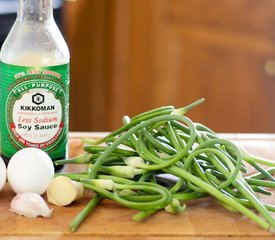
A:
34	108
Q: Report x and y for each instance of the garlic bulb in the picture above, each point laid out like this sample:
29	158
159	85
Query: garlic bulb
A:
29	205
3	173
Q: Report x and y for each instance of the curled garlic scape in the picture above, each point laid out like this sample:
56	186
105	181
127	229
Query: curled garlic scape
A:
30	205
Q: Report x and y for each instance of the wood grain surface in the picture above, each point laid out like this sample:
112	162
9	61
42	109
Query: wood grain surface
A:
203	219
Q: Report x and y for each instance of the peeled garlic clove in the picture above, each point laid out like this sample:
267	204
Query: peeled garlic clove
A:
29	205
62	191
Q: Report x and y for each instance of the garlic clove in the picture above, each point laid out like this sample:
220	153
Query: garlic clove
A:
62	191
30	205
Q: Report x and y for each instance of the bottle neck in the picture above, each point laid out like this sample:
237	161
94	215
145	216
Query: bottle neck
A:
35	10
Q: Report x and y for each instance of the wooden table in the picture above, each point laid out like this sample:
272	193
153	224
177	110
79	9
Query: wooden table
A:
203	219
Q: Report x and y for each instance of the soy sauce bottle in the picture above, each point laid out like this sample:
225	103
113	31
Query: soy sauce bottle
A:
34	83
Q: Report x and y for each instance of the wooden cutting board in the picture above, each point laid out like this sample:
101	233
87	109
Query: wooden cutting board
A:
203	219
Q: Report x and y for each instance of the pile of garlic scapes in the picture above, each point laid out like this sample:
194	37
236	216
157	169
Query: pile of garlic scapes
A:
30	173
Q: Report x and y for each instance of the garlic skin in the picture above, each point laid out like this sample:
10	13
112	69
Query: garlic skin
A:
30	205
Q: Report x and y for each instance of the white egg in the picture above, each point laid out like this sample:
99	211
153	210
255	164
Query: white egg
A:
30	170
3	173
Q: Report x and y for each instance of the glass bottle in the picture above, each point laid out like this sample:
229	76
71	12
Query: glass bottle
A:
34	83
